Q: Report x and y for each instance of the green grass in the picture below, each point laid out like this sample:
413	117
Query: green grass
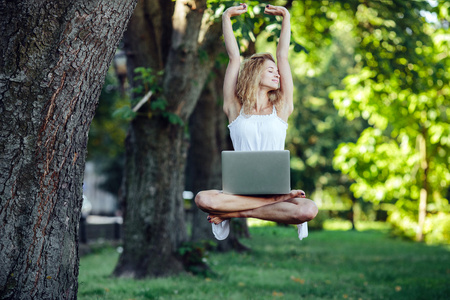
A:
326	265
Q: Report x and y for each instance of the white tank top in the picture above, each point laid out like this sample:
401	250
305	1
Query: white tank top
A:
258	132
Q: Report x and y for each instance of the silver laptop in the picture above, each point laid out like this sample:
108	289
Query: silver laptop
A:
256	172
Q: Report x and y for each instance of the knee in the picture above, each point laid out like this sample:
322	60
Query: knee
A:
203	201
306	211
311	211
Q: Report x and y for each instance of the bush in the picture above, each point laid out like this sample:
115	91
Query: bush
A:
194	256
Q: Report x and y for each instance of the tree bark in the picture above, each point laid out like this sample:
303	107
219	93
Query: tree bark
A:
153	208
54	56
208	137
154	220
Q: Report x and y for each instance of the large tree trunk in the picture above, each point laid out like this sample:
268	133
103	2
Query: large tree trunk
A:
208	138
54	56
169	40
154	216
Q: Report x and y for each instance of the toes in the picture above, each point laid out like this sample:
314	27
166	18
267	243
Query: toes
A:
300	193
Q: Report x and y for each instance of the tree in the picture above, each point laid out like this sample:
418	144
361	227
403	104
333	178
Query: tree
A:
208	137
400	84
174	44
54	56
316	128
395	63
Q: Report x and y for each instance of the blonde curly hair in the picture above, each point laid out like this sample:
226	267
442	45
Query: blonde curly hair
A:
248	82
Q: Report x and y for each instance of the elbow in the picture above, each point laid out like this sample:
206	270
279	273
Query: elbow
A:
234	58
282	55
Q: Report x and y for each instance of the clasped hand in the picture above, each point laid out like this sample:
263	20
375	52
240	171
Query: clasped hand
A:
269	9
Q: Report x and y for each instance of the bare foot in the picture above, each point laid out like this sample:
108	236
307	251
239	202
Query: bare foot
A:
215	219
293	194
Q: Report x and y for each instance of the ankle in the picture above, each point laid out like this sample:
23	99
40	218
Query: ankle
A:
244	214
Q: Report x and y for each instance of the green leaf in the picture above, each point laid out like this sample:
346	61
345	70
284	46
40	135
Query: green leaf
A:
173	118
124	113
299	48
158	104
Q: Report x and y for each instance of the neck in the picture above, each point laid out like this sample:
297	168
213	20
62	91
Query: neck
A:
262	101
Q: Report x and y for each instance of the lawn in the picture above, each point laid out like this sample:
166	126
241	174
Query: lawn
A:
326	265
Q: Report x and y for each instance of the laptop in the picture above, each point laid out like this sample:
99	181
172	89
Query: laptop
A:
256	172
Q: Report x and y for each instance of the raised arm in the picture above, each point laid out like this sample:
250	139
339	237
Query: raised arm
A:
286	83
231	105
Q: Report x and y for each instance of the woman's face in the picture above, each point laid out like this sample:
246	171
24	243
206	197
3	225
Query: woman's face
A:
269	76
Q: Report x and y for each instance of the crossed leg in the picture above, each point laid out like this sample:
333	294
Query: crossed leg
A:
292	208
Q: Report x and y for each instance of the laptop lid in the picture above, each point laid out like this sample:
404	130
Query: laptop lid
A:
256	172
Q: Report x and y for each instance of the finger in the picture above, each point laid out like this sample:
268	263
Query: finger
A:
240	9
271	10
243	6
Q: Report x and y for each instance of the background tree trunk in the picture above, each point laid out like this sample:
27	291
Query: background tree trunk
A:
423	199
153	229
54	56
154	220
208	137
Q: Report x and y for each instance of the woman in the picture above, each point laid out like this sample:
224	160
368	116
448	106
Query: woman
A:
257	101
